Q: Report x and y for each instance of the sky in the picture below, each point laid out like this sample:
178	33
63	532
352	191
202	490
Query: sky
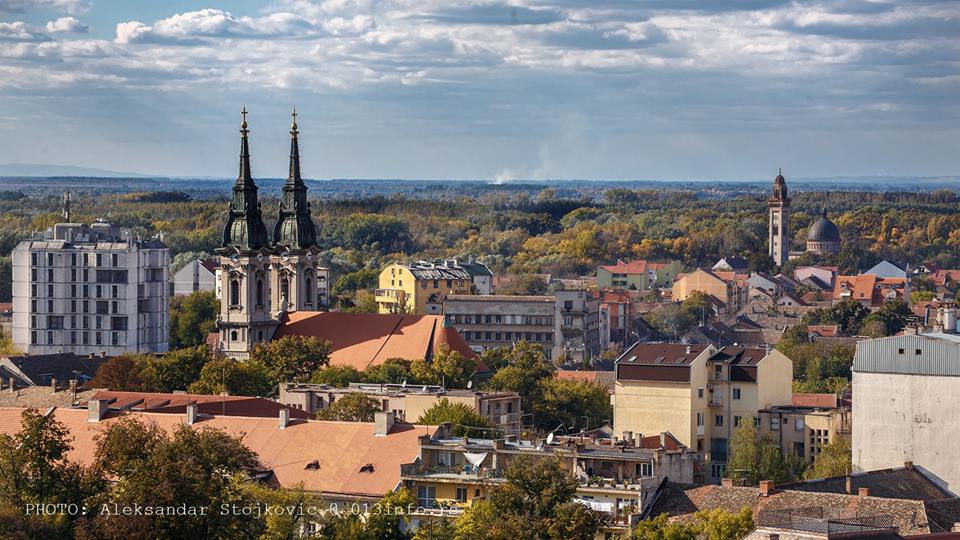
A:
456	89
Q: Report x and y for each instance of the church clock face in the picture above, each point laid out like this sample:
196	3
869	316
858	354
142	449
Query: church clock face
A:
285	255
234	256
259	257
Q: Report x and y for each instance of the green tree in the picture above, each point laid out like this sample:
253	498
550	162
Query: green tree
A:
467	422
834	459
337	376
527	367
535	503
363	279
292	358
236	378
571	403
198	468
894	315
524	285
192	317
175	370
384	522
449	368
756	457
352	407
660	528
719	524
391	371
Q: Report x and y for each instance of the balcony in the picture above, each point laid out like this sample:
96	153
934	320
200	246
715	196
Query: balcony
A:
716	402
460	472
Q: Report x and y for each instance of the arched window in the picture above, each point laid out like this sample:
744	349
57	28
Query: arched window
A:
235	292
308	289
285	290
259	292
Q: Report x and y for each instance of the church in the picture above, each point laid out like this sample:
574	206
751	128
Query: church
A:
266	275
823	236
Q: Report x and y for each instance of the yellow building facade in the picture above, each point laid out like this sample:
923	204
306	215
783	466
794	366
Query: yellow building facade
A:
409	288
727	287
698	393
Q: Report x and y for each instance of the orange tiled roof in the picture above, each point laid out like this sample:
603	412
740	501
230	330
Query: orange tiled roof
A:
603	378
362	340
340	448
860	287
632	267
825	330
814	400
940	276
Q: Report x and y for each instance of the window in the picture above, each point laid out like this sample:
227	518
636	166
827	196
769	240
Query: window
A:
700	393
55	322
33	259
718	420
699	418
736	393
775	423
234	292
259	292
462	494
756	421
308	290
426	496
798	424
737	420
33	337
645	469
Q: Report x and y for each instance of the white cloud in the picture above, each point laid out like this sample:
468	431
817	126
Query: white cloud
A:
20	31
21	6
67	25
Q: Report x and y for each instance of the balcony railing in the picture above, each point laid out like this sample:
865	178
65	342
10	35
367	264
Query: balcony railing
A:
716	401
466	471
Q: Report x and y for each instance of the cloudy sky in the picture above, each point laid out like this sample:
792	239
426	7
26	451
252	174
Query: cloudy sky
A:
618	89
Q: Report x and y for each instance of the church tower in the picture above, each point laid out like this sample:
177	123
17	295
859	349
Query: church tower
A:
245	304
294	264
779	228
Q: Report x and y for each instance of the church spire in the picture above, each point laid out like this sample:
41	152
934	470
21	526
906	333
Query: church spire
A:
244	229
294	228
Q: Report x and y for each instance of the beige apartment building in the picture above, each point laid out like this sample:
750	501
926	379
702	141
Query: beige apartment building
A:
728	287
698	393
805	431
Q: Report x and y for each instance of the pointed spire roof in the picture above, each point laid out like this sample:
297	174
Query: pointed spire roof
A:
244	229
294	227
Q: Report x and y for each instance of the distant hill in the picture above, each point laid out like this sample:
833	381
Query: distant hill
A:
46	170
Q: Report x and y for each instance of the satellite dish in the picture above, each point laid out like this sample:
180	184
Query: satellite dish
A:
424	389
469	385
550	438
404	385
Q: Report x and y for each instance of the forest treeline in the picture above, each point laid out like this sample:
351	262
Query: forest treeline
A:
530	232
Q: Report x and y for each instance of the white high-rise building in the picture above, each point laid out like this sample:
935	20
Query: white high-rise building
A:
90	289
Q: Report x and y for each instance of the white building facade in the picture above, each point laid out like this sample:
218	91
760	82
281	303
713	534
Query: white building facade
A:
90	289
906	405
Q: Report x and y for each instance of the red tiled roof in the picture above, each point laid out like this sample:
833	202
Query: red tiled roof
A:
362	340
825	330
603	378
940	276
815	400
632	267
340	448
210	264
6	306
177	404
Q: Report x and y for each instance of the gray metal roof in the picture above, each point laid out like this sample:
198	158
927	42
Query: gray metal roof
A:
925	354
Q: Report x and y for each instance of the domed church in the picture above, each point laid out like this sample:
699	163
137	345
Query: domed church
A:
823	236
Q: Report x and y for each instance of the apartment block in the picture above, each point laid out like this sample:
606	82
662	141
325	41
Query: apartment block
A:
419	288
638	275
699	393
565	324
408	403
906	405
729	287
616	477
90	289
803	430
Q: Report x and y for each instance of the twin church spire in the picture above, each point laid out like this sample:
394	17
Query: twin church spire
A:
294	227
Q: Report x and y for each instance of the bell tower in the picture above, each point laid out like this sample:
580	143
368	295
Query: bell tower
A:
294	264
779	227
245	313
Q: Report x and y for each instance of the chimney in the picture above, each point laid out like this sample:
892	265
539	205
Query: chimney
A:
863	492
638	440
73	385
191	414
849	485
13	385
96	409
628	437
908	465
726	482
766	488
284	418
382	423
53	385
103	354
663	440
688	349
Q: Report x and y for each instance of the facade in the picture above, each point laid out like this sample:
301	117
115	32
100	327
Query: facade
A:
419	288
262	276
804	431
618	479
196	275
779	221
728	287
870	290
906	406
90	289
638	275
699	393
566	324
408	403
